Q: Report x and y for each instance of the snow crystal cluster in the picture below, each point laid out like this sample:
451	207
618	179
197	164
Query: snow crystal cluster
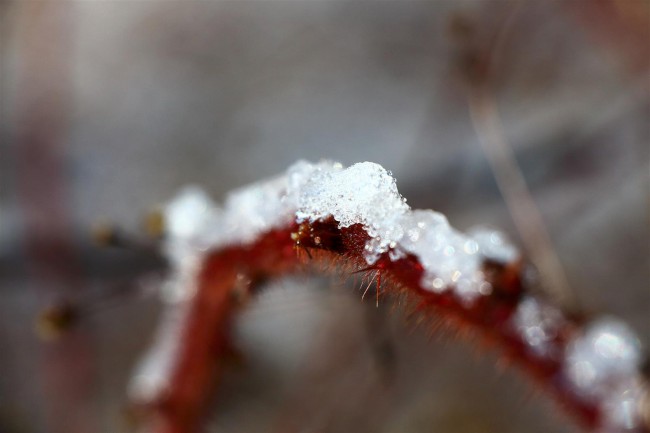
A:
365	194
603	365
538	324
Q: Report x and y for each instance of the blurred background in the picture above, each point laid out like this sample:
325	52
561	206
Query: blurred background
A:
108	107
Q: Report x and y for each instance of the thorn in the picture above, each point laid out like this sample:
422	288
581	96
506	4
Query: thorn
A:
301	248
368	286
369	268
378	289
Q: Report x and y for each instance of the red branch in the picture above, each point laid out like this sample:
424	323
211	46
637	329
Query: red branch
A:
181	408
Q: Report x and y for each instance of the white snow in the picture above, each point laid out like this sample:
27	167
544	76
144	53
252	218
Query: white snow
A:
365	194
155	370
608	351
603	364
538	324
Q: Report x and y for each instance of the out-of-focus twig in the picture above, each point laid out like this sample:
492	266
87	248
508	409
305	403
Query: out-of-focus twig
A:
41	127
510	180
